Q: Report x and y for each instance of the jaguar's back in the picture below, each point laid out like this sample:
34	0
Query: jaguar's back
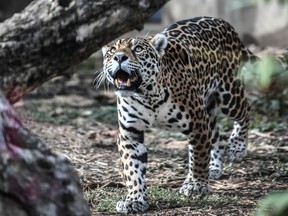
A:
207	47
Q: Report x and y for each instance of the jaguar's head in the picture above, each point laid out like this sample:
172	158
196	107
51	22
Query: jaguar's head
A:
131	64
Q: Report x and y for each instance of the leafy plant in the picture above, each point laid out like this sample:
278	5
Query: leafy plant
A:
275	204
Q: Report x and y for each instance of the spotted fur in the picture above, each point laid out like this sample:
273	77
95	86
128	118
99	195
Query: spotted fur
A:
180	80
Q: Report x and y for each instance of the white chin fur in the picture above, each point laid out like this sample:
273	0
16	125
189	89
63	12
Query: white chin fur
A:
123	93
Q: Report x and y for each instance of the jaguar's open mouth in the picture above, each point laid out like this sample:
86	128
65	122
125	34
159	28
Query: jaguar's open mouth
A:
126	81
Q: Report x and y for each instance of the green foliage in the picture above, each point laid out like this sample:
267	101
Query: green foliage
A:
267	76
266	71
266	83
275	204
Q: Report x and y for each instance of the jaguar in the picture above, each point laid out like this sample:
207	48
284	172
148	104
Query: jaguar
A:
181	79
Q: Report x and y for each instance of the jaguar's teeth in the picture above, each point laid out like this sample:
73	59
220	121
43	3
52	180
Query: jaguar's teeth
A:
117	83
128	84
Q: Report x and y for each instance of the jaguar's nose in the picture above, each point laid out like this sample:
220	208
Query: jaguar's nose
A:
120	57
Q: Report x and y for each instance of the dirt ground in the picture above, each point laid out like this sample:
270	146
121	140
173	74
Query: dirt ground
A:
80	122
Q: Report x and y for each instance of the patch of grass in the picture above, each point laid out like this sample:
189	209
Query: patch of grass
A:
105	199
162	198
37	115
107	114
56	113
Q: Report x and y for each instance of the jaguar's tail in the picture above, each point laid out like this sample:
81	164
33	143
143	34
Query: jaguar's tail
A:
249	57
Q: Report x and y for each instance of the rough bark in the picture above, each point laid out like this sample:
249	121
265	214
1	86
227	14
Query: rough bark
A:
49	37
33	181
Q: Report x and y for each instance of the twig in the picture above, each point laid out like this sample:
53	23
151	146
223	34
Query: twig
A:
97	162
268	135
284	148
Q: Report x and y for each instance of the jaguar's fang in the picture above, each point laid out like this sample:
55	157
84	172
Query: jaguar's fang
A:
128	83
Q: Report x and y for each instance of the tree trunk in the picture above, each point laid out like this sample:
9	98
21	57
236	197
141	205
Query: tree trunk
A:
33	181
49	37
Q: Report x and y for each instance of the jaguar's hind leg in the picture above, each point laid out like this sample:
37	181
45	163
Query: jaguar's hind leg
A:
237	143
234	104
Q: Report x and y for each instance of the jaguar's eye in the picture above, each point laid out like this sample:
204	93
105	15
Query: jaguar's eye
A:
138	49
113	49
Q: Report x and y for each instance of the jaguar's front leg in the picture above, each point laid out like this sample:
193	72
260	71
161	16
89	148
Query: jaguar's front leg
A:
199	157
134	162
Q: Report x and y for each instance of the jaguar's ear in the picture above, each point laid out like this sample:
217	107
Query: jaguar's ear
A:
105	48
159	42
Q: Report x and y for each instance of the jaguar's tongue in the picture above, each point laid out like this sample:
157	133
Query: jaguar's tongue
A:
124	80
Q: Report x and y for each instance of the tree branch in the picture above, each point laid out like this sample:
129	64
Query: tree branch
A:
49	37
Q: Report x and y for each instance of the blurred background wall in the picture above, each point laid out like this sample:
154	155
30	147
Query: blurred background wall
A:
247	16
252	18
